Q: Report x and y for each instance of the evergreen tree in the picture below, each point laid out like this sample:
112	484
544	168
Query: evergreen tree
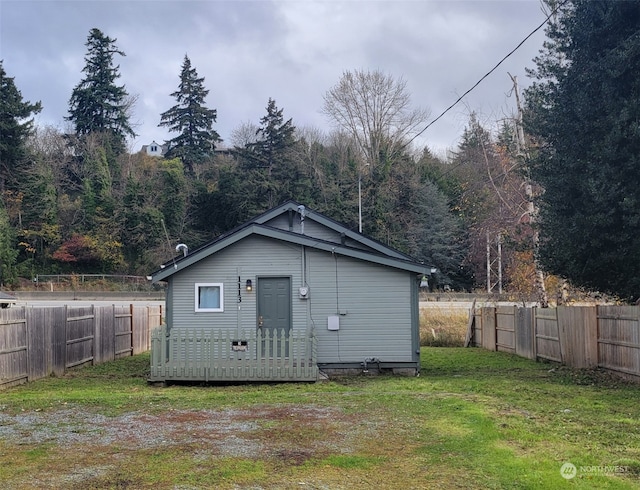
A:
275	137
411	214
39	205
15	127
191	119
97	186
97	104
8	252
271	174
584	111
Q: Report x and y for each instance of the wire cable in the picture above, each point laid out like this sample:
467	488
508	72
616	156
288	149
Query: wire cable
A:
487	74
166	234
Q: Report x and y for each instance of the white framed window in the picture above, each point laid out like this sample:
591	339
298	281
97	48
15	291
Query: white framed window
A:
209	296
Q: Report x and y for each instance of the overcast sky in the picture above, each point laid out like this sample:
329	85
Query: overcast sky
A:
291	51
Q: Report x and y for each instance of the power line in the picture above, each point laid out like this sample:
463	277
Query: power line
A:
488	73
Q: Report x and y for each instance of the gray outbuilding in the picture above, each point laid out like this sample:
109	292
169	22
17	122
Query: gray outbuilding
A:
284	296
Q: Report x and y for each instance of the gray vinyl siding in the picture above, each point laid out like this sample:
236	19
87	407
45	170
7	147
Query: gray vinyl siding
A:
375	302
251	257
282	222
314	229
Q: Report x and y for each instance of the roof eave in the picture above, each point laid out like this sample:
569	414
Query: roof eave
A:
305	240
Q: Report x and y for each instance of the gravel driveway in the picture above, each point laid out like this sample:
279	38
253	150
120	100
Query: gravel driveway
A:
259	432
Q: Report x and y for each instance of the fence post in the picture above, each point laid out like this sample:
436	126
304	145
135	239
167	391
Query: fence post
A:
132	323
534	333
476	339
566	349
27	331
94	349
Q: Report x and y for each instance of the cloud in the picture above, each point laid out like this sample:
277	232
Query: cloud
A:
292	51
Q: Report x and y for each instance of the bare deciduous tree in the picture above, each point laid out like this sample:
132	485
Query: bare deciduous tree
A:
375	109
245	134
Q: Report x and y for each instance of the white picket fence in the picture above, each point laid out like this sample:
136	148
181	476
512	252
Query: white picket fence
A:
212	355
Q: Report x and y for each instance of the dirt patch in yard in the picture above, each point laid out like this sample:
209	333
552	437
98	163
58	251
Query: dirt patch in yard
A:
288	435
229	432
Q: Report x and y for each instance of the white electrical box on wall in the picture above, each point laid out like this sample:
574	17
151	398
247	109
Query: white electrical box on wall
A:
333	322
304	292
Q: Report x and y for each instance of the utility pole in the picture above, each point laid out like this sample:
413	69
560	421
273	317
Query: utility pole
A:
488	264
499	245
360	198
359	203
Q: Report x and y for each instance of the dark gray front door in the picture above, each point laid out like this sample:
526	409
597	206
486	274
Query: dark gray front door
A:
274	308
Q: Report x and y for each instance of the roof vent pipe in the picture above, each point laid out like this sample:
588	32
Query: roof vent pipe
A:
183	247
302	211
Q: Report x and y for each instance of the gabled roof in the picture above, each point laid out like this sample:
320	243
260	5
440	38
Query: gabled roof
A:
332	224
381	254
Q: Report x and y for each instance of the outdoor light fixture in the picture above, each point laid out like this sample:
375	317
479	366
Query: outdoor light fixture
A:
249	285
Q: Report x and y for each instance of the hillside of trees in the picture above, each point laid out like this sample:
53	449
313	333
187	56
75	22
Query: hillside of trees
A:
81	203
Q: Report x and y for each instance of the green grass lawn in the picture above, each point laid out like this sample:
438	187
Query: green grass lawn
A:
473	419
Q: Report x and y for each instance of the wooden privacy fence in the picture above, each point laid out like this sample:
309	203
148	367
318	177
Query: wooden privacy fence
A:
38	342
578	336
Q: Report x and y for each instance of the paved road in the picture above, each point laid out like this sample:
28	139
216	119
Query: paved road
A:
456	306
82	303
441	305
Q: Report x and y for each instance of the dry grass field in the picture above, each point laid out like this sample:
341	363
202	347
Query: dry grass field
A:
443	327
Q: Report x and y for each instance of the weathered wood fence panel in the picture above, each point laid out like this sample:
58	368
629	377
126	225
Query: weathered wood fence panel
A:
547	334
14	348
123	319
38	342
619	338
141	336
80	336
58	317
582	337
578	335
524	333
40	330
104	334
506	329
489	328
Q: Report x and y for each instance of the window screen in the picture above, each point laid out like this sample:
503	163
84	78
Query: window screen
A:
209	297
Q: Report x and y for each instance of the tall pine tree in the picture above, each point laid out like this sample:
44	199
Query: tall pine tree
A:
584	110
191	119
8	251
97	104
15	127
275	136
270	161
